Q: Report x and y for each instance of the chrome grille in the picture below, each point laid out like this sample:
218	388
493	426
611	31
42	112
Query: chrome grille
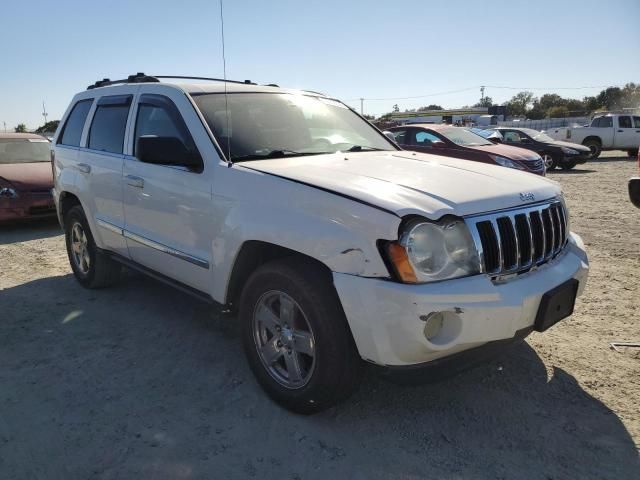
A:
512	241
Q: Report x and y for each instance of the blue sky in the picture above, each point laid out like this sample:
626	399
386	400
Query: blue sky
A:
348	48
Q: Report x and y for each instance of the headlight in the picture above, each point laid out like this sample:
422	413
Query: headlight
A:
570	151
429	252
8	192
506	162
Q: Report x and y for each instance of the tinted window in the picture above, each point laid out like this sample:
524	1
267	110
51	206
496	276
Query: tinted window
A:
401	136
624	122
157	115
109	123
72	131
511	136
636	122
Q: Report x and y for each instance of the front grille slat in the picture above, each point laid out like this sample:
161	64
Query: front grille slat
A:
514	241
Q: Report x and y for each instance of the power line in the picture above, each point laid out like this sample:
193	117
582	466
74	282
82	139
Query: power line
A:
481	87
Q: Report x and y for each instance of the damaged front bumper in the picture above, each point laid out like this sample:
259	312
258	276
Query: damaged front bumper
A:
389	320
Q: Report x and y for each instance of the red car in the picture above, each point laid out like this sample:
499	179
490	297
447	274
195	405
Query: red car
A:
26	179
461	143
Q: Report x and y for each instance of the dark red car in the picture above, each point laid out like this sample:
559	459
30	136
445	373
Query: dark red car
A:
462	143
26	179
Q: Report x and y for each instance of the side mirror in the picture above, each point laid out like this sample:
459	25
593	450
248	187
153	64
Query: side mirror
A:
390	136
634	191
166	151
438	144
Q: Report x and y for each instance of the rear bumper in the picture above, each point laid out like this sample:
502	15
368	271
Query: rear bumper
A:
388	319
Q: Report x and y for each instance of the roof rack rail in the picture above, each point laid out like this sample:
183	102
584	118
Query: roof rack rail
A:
141	77
137	78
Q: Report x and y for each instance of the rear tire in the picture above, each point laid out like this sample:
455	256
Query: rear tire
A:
296	337
92	268
633	153
568	165
595	148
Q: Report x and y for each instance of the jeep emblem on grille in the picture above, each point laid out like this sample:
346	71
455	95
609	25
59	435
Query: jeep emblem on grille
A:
527	197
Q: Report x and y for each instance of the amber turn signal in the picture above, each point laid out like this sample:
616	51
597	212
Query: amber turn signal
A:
400	260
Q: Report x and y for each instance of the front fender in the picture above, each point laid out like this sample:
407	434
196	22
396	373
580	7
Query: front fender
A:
337	231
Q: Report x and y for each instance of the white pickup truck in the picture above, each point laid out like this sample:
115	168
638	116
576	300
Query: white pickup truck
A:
606	132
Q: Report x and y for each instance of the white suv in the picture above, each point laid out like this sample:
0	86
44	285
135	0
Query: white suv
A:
332	243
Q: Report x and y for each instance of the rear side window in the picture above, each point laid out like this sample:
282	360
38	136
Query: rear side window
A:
109	124
72	130
624	122
400	136
636	122
603	122
426	138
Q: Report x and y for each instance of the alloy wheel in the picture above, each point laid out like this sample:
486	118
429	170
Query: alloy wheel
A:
283	339
80	248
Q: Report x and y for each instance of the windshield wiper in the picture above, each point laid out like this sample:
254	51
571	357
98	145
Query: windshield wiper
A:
274	154
360	148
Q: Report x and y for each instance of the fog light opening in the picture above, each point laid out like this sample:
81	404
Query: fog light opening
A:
433	325
442	329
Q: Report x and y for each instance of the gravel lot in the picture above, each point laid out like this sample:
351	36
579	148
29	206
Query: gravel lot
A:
141	381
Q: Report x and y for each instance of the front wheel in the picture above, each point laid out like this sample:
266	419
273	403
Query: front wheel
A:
633	153
296	337
568	164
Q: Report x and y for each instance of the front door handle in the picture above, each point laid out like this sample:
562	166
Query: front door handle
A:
135	181
620	131
84	168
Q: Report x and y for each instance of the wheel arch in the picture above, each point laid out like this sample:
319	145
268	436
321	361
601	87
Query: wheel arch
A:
254	253
67	201
594	138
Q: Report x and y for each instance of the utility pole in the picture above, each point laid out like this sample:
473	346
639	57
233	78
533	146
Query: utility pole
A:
5	127
482	94
362	106
44	112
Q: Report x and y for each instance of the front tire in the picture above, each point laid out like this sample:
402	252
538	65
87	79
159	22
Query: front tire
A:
296	337
568	165
91	268
550	163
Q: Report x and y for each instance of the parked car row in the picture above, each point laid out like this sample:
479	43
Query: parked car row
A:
519	148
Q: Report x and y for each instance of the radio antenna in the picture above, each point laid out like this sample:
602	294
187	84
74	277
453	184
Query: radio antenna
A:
224	76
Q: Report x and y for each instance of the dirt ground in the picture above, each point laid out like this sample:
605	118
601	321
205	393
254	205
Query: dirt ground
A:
141	381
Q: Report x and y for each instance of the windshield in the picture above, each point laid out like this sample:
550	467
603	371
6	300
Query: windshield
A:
463	137
536	135
273	125
24	150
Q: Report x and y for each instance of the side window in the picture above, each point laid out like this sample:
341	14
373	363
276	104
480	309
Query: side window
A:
401	136
158	116
624	122
636	122
109	124
72	130
511	137
425	139
605	122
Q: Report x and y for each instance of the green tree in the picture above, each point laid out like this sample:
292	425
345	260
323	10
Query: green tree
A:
21	128
559	111
484	102
50	126
396	108
519	103
433	106
611	98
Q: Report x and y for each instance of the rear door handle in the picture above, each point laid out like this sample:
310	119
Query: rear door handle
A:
84	168
135	181
620	131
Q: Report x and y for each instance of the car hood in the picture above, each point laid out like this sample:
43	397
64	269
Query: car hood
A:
514	153
575	146
28	176
413	183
